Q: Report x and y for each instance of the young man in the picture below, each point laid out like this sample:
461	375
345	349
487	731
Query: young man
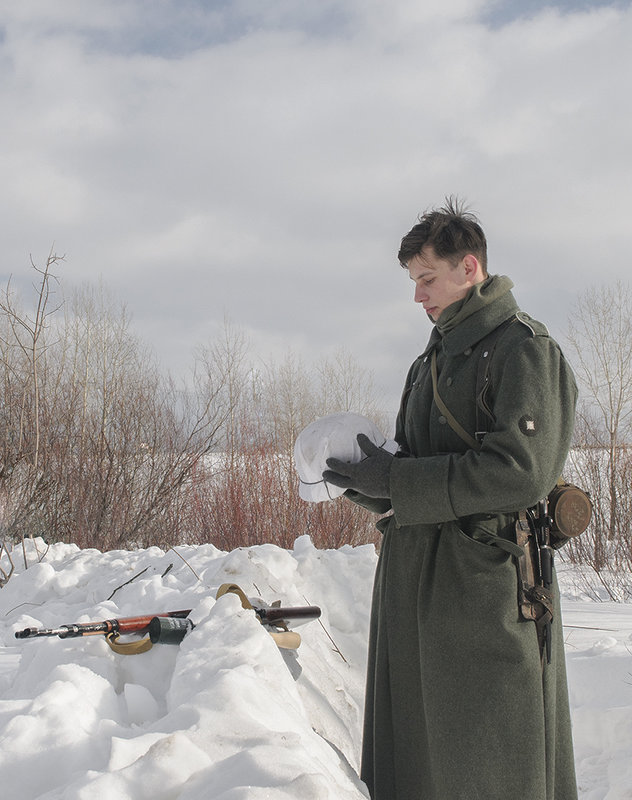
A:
461	701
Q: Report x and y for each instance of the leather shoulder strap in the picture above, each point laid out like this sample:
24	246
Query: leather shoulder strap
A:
452	422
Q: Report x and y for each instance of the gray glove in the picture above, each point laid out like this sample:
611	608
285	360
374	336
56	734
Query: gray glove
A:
370	477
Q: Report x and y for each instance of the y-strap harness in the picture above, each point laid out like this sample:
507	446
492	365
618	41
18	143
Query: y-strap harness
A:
484	414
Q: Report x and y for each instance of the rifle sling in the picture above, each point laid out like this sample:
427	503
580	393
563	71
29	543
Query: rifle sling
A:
132	648
452	422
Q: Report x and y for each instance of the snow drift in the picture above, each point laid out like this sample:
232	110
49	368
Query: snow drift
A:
226	714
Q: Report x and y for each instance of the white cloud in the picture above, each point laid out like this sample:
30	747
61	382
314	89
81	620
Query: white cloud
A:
263	160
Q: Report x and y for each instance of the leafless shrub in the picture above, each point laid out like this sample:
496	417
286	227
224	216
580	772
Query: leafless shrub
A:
100	444
254	500
101	449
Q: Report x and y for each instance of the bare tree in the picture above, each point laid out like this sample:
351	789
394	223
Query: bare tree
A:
600	341
25	347
344	385
599	345
222	371
28	336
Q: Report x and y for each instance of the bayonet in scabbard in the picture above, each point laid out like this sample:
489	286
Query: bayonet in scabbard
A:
280	617
545	557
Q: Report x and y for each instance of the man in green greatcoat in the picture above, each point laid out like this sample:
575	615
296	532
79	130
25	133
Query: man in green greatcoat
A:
461	704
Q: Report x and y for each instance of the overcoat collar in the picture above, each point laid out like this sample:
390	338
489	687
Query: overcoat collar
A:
463	324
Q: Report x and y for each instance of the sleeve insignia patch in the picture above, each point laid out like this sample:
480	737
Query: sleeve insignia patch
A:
528	426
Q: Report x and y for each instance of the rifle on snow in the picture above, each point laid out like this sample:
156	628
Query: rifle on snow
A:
170	627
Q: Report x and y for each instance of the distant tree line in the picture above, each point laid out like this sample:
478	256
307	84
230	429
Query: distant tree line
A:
100	448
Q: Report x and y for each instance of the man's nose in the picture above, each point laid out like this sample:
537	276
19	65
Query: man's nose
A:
420	294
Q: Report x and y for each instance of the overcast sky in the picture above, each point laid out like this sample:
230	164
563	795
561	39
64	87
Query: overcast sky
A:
261	159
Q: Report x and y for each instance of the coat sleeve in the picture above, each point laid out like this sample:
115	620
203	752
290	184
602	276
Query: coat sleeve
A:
534	397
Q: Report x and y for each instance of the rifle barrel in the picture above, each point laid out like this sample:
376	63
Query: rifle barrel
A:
277	615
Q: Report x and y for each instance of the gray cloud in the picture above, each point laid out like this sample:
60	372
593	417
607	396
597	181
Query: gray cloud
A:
262	161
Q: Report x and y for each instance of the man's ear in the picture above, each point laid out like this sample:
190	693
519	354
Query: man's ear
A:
473	268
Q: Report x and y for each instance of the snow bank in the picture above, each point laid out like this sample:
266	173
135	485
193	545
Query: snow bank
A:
226	714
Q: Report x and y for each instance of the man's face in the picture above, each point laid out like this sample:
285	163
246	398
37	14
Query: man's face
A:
438	283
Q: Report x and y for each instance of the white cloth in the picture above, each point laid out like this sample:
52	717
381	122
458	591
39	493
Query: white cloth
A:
333	436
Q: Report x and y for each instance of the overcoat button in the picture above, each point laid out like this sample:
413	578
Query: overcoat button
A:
467	352
449	382
442	420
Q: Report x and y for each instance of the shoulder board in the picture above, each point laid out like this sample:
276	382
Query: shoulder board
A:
536	328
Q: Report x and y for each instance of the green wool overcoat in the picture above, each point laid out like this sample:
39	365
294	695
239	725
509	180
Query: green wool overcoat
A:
458	704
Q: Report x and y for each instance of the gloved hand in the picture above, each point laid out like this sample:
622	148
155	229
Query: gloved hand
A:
370	477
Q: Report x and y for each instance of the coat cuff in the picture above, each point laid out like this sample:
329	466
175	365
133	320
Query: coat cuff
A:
419	490
378	505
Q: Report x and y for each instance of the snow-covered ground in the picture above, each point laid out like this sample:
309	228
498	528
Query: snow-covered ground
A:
226	715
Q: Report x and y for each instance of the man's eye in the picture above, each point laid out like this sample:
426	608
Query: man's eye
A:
428	281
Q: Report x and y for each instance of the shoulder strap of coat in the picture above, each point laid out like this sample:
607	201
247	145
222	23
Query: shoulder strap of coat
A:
484	414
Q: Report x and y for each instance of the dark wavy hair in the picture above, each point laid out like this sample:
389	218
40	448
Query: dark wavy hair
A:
452	232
